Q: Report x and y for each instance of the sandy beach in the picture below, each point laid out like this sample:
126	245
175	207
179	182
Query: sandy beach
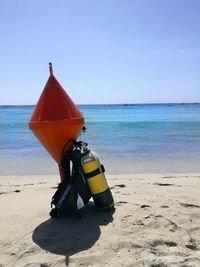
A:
155	224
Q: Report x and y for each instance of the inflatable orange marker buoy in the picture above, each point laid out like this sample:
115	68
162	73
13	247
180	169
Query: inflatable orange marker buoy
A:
56	121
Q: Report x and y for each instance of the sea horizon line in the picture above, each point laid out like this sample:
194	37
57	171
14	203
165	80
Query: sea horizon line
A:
111	104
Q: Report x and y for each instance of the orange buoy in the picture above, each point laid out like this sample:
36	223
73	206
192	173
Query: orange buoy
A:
56	120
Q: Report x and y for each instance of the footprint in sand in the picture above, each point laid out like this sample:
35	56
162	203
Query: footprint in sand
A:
118	186
145	206
17	191
158	264
191	246
127	245
164	184
159	242
159	220
120	202
127	216
188	205
36	265
138	222
194	241
3	193
160	246
54	187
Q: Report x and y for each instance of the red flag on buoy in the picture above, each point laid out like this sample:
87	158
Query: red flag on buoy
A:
56	120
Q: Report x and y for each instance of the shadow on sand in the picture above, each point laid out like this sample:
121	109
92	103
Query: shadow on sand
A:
68	236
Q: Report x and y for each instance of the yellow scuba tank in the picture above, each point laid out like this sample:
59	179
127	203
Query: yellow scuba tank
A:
94	174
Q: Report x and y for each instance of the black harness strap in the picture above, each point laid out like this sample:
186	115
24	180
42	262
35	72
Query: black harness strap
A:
99	170
74	157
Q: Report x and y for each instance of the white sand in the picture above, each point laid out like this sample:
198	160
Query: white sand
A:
156	224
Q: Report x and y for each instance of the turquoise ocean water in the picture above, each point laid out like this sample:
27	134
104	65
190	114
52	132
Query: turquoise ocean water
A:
128	138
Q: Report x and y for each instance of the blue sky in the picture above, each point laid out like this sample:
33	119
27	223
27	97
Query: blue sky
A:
103	51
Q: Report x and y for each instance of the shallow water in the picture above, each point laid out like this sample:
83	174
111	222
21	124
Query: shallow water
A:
127	138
